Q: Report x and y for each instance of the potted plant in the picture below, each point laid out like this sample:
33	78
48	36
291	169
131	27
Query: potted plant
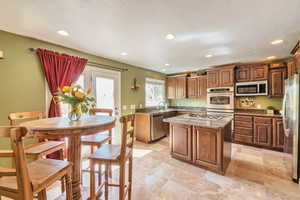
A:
270	110
79	100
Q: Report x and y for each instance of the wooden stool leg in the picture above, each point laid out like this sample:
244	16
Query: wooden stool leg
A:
42	195
61	157
92	181
99	174
68	180
130	178
106	182
122	181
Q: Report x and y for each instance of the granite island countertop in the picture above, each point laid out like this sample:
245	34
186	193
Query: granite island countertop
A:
203	122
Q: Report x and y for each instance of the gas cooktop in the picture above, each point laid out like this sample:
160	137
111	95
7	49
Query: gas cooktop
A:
206	116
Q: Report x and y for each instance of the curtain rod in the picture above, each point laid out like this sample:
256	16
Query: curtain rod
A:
95	64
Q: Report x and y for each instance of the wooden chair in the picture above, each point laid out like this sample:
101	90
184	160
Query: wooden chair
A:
109	154
33	178
43	147
98	139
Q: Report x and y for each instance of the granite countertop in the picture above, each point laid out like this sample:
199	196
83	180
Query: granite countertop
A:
194	121
256	112
171	109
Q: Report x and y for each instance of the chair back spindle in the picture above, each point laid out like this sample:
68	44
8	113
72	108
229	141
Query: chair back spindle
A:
128	123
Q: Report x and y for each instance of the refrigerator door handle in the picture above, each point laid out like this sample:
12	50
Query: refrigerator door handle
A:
286	130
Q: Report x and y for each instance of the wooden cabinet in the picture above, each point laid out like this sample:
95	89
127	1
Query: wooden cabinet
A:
202	86
192	87
278	133
181	87
205	147
255	72
213	78
243	74
291	68
263	131
171	87
196	87
259	72
176	87
226	78
221	77
276	82
243	129
181	143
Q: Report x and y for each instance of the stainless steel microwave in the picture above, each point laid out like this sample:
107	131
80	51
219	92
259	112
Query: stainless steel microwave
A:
252	88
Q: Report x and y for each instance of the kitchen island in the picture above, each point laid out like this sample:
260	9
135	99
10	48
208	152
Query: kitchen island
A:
202	140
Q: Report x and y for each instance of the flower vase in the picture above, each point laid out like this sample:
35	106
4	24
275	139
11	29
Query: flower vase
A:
75	113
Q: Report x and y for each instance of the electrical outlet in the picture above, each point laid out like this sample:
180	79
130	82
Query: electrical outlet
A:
258	106
1	54
124	107
141	105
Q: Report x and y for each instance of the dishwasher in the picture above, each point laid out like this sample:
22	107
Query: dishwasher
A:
157	126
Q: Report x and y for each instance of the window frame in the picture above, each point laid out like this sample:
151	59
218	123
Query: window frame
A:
155	81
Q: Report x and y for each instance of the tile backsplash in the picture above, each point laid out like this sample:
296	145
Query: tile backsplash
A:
258	102
188	102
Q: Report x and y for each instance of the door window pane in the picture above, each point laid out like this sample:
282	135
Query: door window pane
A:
105	93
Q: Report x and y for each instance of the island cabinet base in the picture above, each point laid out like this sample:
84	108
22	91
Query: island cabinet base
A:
208	148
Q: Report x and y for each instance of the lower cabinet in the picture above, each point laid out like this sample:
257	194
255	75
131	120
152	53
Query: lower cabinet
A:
181	144
206	147
263	134
260	131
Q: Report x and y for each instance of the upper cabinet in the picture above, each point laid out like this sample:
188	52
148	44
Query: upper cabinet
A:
291	67
176	87
197	86
220	77
255	72
276	82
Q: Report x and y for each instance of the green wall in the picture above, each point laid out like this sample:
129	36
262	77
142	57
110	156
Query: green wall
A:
22	85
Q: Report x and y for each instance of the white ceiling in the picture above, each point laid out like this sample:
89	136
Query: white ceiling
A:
231	30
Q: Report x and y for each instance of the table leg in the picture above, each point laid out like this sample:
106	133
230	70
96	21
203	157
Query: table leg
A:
74	156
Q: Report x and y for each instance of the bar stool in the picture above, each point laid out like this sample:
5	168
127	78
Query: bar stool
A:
97	140
42	148
109	154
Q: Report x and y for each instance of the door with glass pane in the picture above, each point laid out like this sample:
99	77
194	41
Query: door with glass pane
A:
106	87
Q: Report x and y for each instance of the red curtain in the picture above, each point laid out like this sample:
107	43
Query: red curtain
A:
60	70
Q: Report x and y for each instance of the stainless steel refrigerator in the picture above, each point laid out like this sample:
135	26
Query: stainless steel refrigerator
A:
291	122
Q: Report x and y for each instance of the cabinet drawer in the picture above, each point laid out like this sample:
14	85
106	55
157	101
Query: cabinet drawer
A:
243	118
243	124
243	138
243	131
263	120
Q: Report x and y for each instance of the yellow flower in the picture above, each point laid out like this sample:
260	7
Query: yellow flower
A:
89	91
66	89
79	95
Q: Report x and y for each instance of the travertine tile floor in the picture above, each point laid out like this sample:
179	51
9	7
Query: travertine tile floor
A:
253	174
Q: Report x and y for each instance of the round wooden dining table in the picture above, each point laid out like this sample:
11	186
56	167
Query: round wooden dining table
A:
61	127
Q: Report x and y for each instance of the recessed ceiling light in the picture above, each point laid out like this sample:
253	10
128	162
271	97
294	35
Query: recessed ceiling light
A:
276	42
167	64
124	54
208	56
170	36
63	33
271	57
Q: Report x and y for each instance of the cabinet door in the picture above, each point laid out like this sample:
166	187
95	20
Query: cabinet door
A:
276	82
226	76
206	147
181	87
263	134
212	78
243	74
171	87
291	68
181	141
278	133
259	72
202	86
192	87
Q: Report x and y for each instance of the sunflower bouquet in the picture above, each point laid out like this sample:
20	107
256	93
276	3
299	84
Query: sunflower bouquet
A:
80	101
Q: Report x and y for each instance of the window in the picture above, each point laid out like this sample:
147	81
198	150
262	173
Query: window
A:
155	92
